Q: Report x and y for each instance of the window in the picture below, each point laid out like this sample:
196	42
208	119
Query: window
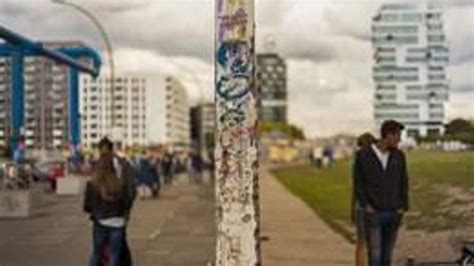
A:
434	27
436	68
380	97
396	78
412	17
416	59
436	38
413	133
436	115
383	59
436	106
433	16
417	96
389	17
438	48
437	77
395	29
414	87
441	59
386	116
386	87
432	132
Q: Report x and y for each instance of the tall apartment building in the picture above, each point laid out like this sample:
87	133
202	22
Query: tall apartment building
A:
169	112
273	87
46	101
128	111
203	125
409	72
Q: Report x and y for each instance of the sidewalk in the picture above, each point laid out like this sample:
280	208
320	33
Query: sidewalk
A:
177	229
296	235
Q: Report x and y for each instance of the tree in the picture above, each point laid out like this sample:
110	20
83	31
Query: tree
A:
459	126
286	129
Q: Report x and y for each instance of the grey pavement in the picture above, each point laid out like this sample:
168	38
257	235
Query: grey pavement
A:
176	229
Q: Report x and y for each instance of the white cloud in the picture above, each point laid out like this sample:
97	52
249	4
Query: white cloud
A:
325	41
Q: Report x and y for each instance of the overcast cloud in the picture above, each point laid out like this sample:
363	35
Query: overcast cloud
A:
326	43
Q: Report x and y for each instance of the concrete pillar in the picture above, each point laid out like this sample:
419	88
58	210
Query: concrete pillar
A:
237	135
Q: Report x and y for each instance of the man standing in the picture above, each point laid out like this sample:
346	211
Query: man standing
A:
381	179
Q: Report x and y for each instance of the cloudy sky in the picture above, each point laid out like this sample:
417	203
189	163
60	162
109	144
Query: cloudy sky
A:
326	43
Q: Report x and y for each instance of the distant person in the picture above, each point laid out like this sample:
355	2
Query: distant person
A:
357	213
168	167
212	164
156	168
146	177
195	166
328	156
381	181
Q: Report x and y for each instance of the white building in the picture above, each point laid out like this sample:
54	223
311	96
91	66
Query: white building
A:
169	117
129	111
410	61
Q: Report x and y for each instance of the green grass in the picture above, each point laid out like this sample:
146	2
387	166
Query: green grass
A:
328	191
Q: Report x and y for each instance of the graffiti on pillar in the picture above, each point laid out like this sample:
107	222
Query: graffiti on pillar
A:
237	139
234	73
234	23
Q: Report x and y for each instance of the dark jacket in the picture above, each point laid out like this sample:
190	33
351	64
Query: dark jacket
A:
382	189
146	173
98	208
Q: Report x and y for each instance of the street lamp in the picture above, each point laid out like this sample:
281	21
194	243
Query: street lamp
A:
108	47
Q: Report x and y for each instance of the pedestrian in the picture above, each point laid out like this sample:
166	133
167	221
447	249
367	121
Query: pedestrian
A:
156	173
146	177
212	166
357	213
168	167
109	197
195	166
381	181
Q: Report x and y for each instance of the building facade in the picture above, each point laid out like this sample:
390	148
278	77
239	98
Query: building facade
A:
409	71
203	126
128	111
173	118
272	82
46	101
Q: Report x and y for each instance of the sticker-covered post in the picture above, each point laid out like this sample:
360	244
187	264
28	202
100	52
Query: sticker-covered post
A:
237	135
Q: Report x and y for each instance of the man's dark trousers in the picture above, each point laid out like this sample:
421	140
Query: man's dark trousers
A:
382	228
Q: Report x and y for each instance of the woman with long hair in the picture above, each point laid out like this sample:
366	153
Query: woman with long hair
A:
108	205
364	141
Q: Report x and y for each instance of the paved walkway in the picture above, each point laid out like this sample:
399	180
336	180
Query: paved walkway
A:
176	230
296	236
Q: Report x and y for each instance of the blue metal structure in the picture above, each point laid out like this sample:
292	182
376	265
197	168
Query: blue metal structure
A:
17	47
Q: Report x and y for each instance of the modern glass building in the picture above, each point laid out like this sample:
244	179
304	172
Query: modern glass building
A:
410	64
273	87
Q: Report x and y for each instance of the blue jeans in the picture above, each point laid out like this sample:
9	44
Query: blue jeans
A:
382	228
102	235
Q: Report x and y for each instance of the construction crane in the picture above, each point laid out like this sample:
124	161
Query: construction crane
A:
17	47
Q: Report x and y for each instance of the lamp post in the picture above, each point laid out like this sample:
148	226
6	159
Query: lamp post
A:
109	49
